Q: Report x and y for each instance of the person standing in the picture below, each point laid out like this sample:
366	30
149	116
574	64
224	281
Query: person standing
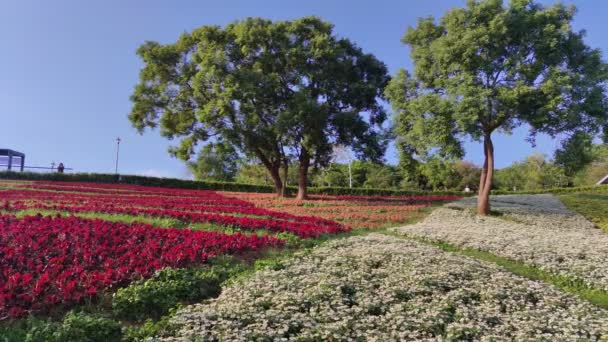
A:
60	168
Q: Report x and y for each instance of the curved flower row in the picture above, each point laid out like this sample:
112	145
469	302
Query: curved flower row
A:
49	261
110	204
204	198
353	211
115	188
302	229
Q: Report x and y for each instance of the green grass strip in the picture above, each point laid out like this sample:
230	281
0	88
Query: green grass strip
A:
567	284
591	206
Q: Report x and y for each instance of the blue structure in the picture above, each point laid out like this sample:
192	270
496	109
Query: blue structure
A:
12	154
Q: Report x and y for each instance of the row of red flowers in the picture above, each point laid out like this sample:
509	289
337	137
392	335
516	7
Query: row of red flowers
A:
48	261
301	229
109	203
114	188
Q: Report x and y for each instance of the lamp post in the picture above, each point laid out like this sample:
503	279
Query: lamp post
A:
117	150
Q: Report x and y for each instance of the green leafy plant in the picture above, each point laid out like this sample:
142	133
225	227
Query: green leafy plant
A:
154	297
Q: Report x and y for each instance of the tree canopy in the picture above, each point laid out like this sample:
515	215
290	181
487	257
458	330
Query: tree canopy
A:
489	67
217	162
276	91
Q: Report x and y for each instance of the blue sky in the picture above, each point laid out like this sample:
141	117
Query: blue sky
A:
67	69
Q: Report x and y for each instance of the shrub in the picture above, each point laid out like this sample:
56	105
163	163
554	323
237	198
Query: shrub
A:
154	297
87	327
76	327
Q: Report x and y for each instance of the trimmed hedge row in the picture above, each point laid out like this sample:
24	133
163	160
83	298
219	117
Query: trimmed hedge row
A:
592	188
135	180
380	192
205	185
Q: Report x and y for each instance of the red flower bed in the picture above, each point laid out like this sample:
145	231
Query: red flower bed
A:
49	261
117	203
200	206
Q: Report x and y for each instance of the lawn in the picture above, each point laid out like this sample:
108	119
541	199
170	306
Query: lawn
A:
593	206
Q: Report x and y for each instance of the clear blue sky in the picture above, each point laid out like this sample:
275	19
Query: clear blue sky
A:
67	69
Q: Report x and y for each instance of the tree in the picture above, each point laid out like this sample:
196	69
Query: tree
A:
597	169
511	178
279	91
381	177
488	68
217	162
468	174
575	153
439	173
333	175
535	172
253	174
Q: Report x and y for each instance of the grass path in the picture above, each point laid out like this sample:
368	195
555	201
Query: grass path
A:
593	206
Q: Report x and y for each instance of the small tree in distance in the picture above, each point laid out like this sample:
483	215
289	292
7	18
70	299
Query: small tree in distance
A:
488	68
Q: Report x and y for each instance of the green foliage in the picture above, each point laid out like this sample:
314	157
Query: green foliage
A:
380	192
468	175
589	189
75	327
333	175
199	185
597	169
533	173
439	173
88	327
253	174
273	90
154	297
136	180
575	153
487	67
592	206
382	176
215	162
151	329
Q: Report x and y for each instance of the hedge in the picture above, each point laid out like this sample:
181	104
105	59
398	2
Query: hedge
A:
206	185
592	188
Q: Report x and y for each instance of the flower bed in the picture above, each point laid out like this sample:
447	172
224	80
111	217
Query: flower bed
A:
186	205
537	230
51	261
388	289
353	211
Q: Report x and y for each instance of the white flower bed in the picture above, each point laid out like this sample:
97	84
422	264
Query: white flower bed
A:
536	229
541	210
380	288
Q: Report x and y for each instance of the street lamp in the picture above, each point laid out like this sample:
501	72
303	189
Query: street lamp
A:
117	149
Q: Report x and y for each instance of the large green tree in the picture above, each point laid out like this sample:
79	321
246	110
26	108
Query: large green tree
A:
282	92
489	67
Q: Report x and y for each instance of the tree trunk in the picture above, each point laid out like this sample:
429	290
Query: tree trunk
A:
303	174
274	168
487	173
278	183
285	175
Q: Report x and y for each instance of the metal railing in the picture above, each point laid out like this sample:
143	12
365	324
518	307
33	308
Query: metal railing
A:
37	168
